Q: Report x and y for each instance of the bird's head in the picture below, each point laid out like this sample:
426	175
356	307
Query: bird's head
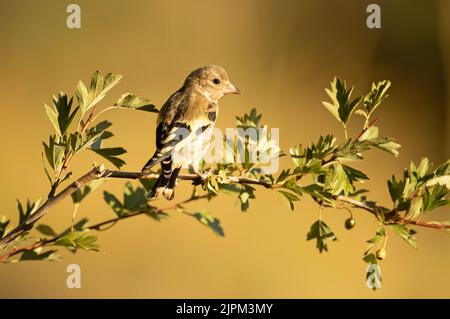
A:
212	81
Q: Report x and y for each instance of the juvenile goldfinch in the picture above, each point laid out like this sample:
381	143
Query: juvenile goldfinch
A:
185	123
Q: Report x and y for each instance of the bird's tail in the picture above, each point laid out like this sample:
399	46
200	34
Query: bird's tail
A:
167	179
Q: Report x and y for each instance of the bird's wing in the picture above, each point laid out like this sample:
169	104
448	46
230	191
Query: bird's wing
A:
183	117
168	136
172	127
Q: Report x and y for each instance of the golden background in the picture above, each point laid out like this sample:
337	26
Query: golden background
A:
281	54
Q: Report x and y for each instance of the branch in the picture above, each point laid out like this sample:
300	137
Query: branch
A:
358	204
96	227
101	172
97	173
355	203
185	177
423	224
26	225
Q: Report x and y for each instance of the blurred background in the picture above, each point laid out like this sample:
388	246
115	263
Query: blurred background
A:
281	54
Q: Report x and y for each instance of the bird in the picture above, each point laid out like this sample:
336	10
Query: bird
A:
185	124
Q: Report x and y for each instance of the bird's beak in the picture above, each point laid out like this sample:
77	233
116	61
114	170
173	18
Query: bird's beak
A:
233	89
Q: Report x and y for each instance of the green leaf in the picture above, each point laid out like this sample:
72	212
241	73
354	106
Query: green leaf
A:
415	208
434	197
45	169
387	144
100	131
406	234
309	159
48	150
319	193
370	133
341	107
89	139
26	211
82	96
129	100
92	137
58	156
4	222
321	233
373	99
53	152
53	117
378	236
396	189
289	198
340	181
440	180
63	107
251	119
422	169
36	254
247	193
111	155
353	174
75	142
208	220
88	243
46	230
285	173
443	169
370	259
97	91
291	184
80	225
79	239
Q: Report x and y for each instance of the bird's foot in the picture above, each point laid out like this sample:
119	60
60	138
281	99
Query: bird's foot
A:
169	194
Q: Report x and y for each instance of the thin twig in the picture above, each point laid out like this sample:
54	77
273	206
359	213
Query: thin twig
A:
93	174
96	227
423	224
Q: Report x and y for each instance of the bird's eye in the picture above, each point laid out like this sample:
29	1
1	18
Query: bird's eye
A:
216	81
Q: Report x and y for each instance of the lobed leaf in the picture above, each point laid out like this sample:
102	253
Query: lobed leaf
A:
321	233
129	100
99	87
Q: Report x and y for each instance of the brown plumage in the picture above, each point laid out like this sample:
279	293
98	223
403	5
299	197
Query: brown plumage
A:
185	122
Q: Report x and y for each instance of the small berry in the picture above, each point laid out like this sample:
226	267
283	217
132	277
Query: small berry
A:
349	223
381	254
